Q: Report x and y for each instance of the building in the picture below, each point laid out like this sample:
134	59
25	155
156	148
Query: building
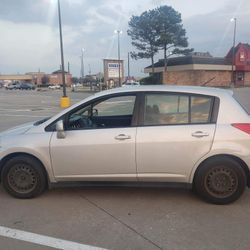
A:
40	78
205	70
242	63
55	78
16	78
37	77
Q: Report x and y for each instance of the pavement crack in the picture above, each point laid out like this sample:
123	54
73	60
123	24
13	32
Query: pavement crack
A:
120	221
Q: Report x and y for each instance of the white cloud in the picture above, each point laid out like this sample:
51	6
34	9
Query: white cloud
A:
27	47
214	32
30	39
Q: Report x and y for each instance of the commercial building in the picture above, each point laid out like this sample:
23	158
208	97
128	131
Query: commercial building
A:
205	70
16	77
39	78
55	78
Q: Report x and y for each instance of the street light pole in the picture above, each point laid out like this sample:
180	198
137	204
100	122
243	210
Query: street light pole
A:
128	66
233	52
118	32
65	101
82	66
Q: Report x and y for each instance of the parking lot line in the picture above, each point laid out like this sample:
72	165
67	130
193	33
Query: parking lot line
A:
44	240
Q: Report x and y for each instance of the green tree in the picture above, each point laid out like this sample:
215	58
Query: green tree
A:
144	36
75	79
172	36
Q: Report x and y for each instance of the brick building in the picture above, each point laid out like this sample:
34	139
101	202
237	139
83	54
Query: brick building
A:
36	77
56	78
204	69
242	63
39	78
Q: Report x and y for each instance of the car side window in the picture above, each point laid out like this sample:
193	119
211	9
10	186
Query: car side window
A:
116	106
109	113
166	109
200	109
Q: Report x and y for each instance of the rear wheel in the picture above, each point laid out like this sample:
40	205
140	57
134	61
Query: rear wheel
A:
220	180
24	177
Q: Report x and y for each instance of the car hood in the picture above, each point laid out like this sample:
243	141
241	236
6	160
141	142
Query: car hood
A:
18	129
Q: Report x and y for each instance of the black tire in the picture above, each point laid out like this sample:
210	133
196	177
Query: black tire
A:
220	180
24	177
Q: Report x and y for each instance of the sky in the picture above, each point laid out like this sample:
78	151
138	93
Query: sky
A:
29	31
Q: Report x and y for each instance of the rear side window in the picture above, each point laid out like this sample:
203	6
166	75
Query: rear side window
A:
200	109
167	109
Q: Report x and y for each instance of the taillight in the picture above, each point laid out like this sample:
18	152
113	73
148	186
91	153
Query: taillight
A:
242	126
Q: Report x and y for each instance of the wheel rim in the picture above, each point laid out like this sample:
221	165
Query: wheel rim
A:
22	178
221	182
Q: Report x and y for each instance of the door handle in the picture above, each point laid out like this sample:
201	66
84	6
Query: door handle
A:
122	137
200	134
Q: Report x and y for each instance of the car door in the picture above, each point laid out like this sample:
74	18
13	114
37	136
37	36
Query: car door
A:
99	141
175	131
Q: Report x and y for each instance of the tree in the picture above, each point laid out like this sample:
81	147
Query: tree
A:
172	35
75	79
144	36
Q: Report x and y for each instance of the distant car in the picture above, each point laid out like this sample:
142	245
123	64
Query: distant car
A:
76	86
127	84
27	86
196	137
13	86
54	87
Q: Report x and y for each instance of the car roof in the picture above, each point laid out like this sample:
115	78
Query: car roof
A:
169	88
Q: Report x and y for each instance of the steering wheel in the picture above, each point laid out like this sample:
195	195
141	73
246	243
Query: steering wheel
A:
85	122
79	121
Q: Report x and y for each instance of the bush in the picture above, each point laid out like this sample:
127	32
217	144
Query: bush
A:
151	80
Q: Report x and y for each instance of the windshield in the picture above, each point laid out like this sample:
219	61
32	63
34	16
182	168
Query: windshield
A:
41	121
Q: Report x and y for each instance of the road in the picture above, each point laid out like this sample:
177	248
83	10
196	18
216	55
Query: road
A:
114	218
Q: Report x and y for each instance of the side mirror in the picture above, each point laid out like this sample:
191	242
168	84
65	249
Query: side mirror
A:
60	130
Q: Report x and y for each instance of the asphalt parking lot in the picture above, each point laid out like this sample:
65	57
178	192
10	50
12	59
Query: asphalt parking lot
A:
113	218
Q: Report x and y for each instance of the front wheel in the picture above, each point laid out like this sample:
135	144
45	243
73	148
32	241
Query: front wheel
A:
24	177
220	180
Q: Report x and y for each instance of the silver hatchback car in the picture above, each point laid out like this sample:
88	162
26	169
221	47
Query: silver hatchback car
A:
194	136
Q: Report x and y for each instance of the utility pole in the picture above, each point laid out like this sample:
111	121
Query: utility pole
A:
89	70
233	53
118	32
128	65
65	101
82	66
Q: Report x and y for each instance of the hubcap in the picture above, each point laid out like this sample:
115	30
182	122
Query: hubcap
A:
22	178
221	182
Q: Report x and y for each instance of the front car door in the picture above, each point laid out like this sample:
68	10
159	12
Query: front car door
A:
99	142
175	131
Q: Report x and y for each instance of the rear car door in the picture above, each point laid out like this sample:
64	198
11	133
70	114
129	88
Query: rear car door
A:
175	131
